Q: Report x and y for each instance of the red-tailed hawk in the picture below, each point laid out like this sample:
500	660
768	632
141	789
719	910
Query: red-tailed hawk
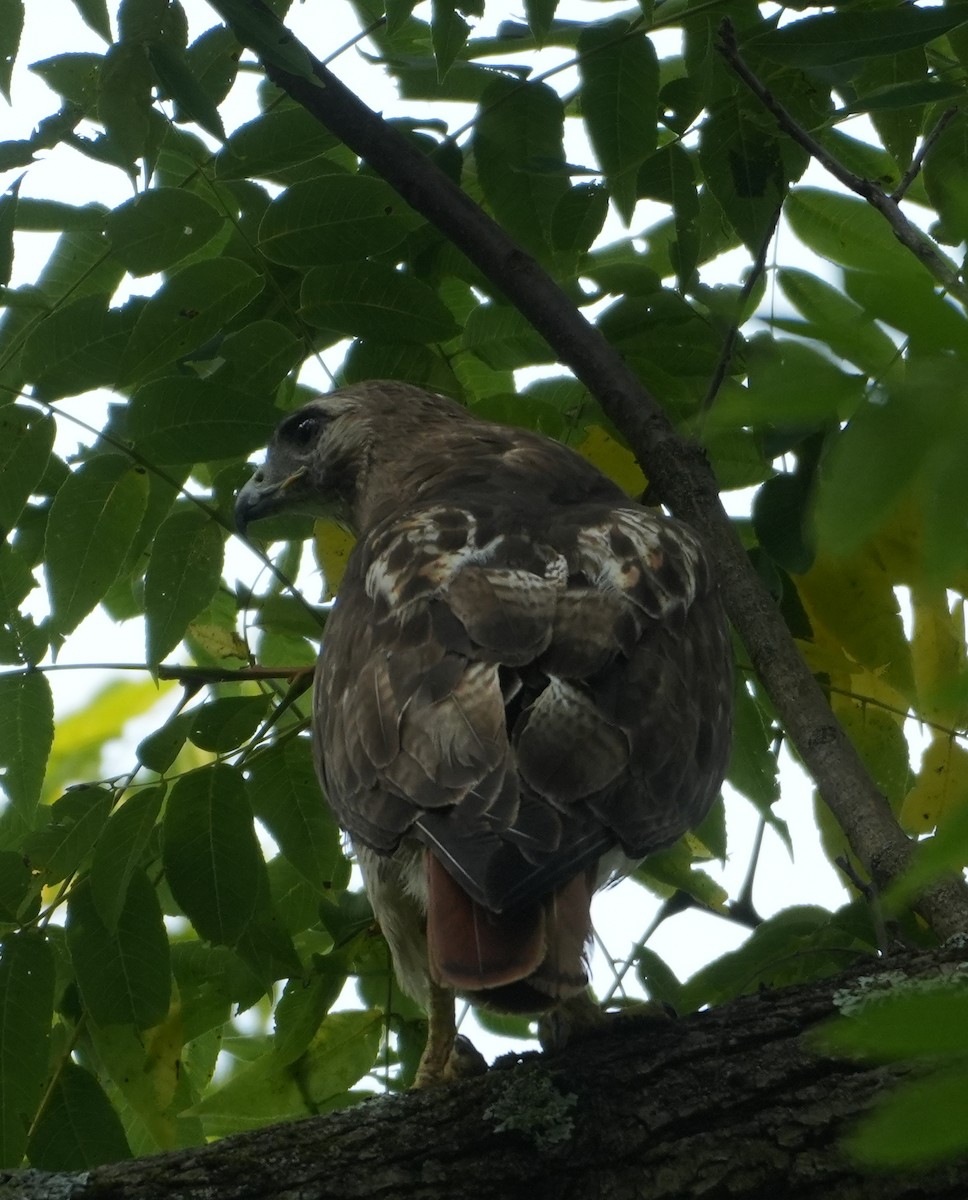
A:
525	686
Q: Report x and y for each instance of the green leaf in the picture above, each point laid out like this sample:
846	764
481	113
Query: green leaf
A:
26	736
94	13
186	420
214	59
449	32
917	1017
414	364
338	218
93	521
341	1053
946	179
158	228
119	850
780	520
520	158
160	749
78	1128
225	723
304	1005
744	169
275	141
26	1011
578	217
619	72
182	576
11	27
370	299
501	337
15	885
76	348
192	102
8	221
124	98
790	385
185	312
833	38
258	357
838	322
752	766
212	859
72	75
870	462
850	233
79	266
658	978
124	975
287	799
932	322
540	14
76	821
925	1121
673	870
26	440
798	944
669	176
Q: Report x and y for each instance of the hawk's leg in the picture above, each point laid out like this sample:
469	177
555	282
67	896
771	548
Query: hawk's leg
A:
446	1056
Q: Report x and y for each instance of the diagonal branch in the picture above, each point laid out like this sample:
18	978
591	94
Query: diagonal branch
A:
907	233
680	470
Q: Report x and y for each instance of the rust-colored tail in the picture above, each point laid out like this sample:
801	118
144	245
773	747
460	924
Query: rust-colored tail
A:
523	960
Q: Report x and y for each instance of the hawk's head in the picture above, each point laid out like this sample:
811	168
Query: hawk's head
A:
313	463
355	454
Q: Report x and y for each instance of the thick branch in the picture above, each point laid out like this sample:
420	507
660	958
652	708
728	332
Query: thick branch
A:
727	1103
678	469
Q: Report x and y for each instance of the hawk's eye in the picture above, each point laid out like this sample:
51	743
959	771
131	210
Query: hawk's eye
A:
303	430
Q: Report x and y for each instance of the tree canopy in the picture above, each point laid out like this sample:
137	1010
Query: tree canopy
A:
141	913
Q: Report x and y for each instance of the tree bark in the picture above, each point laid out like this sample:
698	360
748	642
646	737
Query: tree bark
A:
723	1104
678	469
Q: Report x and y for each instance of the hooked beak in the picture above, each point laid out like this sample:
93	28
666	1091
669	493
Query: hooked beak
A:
263	497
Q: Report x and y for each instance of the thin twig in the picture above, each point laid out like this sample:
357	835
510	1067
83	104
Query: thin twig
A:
908	234
726	352
918	161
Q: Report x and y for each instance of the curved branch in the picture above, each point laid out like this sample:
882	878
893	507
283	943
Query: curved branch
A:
679	469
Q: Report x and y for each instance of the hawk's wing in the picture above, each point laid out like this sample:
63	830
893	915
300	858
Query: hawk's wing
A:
520	702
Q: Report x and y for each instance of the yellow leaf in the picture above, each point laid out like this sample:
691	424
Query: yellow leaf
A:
938	657
332	544
145	1068
940	788
618	463
879	738
851	605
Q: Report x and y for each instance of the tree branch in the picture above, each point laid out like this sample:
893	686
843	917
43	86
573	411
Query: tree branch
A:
908	234
730	1102
680	470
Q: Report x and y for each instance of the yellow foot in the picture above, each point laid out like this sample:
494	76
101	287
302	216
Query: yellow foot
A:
462	1062
580	1016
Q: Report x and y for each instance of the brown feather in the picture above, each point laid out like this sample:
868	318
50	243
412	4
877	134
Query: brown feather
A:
525	683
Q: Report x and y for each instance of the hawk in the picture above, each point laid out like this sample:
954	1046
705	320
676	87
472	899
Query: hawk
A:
525	687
